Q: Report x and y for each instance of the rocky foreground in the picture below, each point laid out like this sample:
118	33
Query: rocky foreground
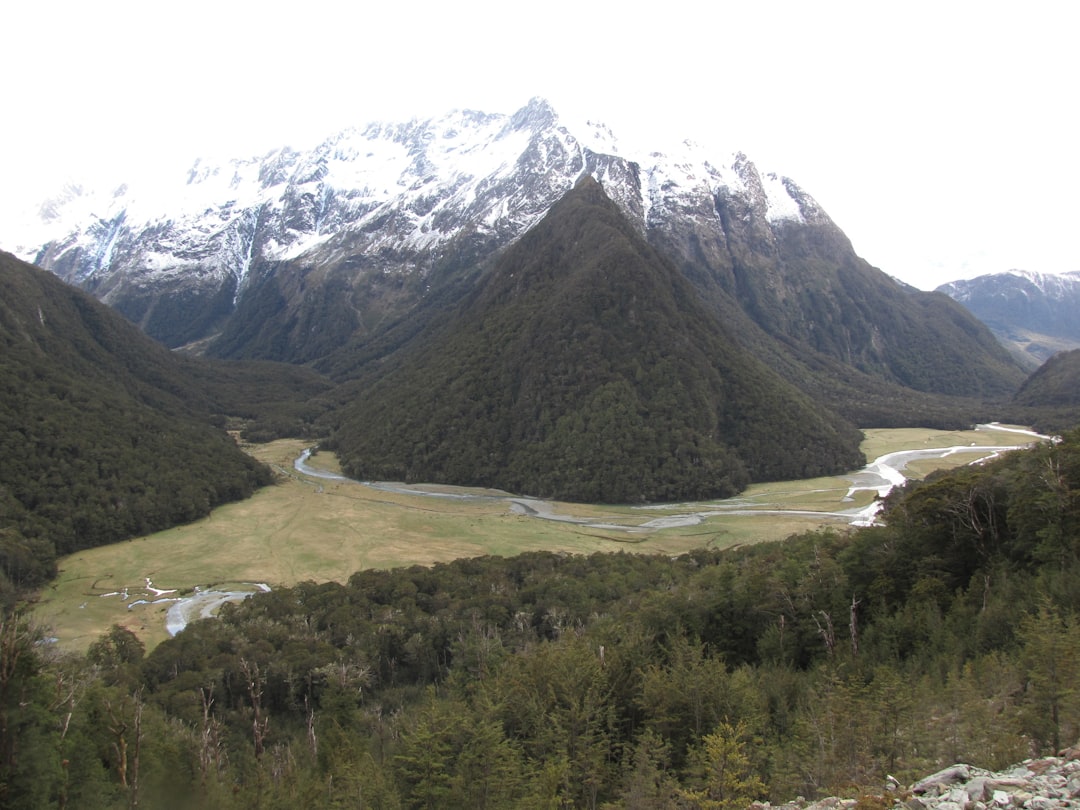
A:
1048	783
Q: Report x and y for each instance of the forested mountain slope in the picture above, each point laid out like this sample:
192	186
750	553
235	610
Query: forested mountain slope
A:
583	366
294	254
1055	383
103	434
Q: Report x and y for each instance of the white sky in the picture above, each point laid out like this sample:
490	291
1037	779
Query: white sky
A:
940	136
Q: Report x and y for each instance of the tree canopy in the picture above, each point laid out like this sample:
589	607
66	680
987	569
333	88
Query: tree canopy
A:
814	666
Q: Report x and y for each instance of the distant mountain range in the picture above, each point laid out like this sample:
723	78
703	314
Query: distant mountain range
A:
378	257
1033	314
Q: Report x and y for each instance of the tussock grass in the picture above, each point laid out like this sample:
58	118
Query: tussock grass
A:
311	529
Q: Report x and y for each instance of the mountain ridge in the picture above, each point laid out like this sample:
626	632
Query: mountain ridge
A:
395	195
584	367
309	253
1032	314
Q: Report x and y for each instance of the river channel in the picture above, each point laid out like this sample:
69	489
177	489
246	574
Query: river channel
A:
875	480
878	477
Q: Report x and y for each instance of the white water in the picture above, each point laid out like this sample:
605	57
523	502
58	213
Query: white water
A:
203	605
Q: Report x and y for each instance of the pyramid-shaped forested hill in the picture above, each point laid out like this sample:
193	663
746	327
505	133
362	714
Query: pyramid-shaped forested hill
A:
584	367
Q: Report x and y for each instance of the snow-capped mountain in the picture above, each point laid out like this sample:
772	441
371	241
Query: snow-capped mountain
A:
297	255
1034	314
389	199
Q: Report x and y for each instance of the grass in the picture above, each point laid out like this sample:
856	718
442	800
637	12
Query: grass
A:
312	529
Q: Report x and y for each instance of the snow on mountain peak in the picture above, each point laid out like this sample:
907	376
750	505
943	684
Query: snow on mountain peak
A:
396	186
1014	284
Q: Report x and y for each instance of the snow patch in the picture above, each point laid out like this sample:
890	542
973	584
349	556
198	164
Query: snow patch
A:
782	207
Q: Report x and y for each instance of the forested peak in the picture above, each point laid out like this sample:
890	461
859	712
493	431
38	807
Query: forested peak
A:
584	366
584	241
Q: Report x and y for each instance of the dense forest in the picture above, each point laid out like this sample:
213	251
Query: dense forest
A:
814	666
585	367
106	435
1055	383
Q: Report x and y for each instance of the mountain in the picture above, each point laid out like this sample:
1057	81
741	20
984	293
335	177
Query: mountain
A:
103	432
1033	314
1056	383
583	366
296	254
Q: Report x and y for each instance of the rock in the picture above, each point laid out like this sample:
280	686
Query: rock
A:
1047	783
958	795
943	778
1072	786
979	789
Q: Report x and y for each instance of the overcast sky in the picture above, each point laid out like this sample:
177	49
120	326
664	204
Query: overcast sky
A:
940	136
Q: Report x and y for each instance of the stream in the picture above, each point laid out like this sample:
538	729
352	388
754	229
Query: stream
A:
879	477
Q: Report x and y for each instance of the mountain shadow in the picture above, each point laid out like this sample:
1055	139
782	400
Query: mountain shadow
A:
583	366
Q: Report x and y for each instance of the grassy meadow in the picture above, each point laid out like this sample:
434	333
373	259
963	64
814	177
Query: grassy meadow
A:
306	528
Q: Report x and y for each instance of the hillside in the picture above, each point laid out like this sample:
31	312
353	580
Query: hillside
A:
103	434
1032	314
831	664
798	279
584	367
1056	383
294	255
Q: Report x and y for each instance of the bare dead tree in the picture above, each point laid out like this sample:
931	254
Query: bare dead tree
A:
260	725
281	762
137	722
211	754
69	685
313	741
118	727
853	624
826	631
206	694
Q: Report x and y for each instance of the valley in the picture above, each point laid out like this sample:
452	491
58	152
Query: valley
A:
669	352
315	525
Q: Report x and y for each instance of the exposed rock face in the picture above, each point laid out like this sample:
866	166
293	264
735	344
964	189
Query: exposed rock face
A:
583	366
372	213
1047	783
295	254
